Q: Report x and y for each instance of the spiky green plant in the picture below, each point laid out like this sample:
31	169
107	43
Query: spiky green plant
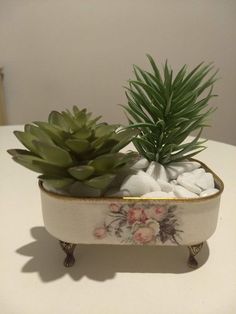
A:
72	147
166	109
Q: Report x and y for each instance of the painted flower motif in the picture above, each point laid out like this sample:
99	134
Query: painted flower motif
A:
143	235
158	213
136	214
141	223
100	232
114	208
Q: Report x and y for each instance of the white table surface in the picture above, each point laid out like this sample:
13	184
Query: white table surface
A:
110	279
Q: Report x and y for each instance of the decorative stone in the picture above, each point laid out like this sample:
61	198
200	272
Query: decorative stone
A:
209	192
173	182
198	172
139	184
206	181
156	194
187	180
157	171
180	191
165	186
177	168
141	164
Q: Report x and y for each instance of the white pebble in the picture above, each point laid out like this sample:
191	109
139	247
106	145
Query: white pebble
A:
139	184
180	191
209	192
198	172
206	181
187	181
177	168
165	186
157	171
156	194
141	164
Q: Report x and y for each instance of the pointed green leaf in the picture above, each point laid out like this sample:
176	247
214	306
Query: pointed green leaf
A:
104	163
124	137
81	172
57	182
27	140
58	136
53	154
105	129
100	182
20	152
79	146
57	119
39	133
39	165
83	133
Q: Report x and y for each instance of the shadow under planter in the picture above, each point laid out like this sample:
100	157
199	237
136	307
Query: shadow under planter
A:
102	262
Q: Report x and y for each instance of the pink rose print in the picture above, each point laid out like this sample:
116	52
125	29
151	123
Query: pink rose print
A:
143	235
140	223
114	208
136	214
158	213
100	232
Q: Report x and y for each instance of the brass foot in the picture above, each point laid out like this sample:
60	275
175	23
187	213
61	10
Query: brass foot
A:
193	251
68	248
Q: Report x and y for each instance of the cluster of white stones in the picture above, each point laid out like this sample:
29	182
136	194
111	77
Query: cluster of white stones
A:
185	179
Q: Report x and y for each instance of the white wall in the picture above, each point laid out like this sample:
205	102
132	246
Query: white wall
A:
57	53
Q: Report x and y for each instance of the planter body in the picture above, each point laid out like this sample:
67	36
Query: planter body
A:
171	221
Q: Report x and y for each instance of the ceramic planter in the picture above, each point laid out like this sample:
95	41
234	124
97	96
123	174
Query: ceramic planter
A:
131	221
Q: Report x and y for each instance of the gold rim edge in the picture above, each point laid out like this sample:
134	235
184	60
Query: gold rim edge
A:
218	181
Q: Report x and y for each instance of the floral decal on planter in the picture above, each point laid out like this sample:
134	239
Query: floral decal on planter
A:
146	223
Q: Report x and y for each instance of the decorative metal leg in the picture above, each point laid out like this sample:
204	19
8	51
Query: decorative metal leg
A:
68	248
193	251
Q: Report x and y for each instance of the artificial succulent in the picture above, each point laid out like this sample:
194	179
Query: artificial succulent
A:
73	151
166	109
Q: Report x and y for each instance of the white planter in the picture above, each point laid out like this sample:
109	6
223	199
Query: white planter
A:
136	221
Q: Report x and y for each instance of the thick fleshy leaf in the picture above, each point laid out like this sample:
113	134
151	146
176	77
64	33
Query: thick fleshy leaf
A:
54	154
83	133
27	161
56	118
76	110
92	123
27	140
79	146
124	137
104	148
104	163
49	169
39	133
58	136
105	129
100	182
99	142
57	182
20	152
81	172
39	165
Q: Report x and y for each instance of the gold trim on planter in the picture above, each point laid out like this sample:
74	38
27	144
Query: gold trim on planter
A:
219	185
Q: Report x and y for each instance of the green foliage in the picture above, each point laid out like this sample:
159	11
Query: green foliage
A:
72	147
166	109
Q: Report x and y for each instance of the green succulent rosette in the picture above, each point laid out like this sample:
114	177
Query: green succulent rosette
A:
74	148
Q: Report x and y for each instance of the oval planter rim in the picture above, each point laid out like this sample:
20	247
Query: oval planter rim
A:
218	181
